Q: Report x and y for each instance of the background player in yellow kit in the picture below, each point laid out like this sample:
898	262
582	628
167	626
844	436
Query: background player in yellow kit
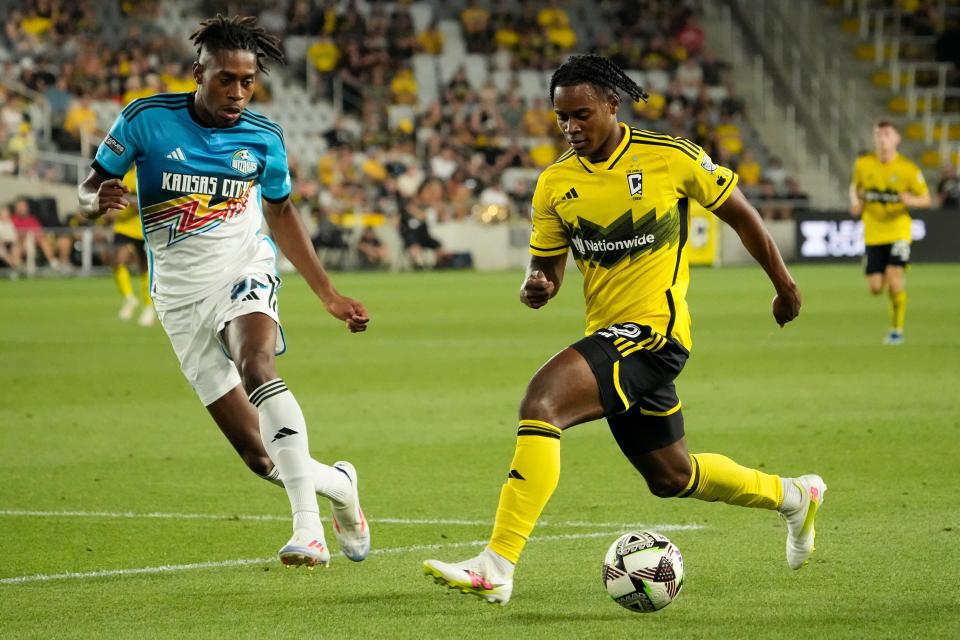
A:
884	185
127	245
618	199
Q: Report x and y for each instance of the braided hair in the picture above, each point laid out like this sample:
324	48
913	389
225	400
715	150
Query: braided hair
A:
238	32
597	71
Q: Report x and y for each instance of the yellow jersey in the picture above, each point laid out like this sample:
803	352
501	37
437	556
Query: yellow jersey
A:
627	224
127	222
885	218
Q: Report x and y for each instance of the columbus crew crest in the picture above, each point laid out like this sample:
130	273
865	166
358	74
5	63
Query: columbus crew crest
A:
635	182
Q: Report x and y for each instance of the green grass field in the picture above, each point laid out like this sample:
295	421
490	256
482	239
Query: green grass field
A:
125	514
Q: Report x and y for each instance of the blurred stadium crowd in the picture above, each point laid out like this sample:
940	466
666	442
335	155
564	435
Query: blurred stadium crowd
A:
393	150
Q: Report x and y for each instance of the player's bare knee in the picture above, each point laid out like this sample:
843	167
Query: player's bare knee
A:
256	368
538	406
668	485
260	464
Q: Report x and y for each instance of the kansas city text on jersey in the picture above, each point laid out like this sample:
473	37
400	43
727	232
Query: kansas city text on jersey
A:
204	185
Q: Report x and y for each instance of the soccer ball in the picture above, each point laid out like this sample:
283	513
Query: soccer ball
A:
643	571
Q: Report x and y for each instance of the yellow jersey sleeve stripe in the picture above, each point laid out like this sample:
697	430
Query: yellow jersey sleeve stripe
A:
679	142
616	384
668	412
664	143
723	194
662	136
544	252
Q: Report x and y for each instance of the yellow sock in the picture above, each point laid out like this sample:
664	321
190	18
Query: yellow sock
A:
121	275
898	310
534	474
716	477
145	289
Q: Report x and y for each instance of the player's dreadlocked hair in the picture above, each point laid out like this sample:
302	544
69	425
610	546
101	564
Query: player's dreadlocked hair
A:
598	71
238	32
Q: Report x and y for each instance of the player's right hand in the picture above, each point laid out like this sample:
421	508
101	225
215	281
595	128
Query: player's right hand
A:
350	311
786	305
536	290
110	196
856	209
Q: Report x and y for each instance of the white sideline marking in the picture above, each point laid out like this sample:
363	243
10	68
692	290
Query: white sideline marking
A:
405	521
169	568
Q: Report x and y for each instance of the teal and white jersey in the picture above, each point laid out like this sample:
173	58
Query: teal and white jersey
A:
199	189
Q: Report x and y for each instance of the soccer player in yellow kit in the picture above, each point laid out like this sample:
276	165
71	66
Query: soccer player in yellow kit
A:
884	185
127	244
618	199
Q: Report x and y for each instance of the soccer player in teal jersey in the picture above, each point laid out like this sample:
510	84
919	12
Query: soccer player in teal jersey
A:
208	171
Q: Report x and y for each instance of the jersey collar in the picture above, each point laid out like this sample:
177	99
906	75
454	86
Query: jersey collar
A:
609	163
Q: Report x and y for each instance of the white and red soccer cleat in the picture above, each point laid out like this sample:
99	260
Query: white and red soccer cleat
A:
349	524
305	549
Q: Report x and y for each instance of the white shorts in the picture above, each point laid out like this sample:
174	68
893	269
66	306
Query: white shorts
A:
194	330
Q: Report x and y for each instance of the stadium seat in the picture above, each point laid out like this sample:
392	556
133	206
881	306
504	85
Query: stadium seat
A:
296	48
425	73
502	79
453	38
477	70
399	112
658	80
421	13
449	63
531	84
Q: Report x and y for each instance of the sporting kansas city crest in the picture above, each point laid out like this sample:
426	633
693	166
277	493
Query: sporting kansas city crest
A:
243	162
624	237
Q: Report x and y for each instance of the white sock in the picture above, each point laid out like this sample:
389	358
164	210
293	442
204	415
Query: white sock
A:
501	565
327	482
331	483
273	477
284	434
792	496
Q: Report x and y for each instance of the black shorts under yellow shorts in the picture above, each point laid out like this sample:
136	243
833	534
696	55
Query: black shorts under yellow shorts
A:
635	368
880	256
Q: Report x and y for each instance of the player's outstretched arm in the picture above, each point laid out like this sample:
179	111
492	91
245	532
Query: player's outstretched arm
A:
743	217
542	281
292	239
99	195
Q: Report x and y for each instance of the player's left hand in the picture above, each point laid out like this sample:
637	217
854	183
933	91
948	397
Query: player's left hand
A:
786	305
350	311
537	290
